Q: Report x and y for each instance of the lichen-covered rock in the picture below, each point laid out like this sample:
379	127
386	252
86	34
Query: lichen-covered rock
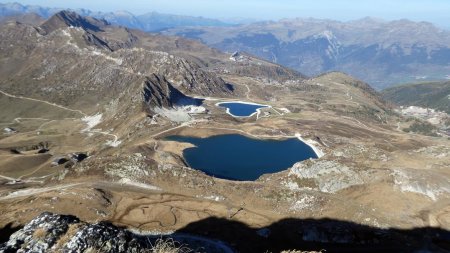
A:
40	234
104	237
427	183
322	175
65	233
49	233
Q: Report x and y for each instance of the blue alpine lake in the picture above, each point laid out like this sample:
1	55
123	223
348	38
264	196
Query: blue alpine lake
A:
239	109
237	157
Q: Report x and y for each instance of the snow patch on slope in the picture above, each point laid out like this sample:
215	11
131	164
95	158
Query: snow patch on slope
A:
127	181
313	144
115	143
92	121
176	115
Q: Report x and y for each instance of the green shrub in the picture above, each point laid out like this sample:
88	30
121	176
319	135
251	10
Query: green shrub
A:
421	127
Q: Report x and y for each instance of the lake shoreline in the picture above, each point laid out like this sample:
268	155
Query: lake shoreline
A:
312	144
238	157
257	111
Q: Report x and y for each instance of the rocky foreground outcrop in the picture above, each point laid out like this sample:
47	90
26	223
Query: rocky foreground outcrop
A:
50	232
65	233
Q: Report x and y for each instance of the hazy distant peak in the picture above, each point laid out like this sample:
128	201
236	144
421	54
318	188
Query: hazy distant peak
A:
369	20
14	6
123	13
403	21
327	34
152	21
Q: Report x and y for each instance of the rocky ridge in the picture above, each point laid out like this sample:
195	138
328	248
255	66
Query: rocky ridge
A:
71	56
64	233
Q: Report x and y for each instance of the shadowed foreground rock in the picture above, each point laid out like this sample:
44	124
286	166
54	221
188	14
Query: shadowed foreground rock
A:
52	232
65	233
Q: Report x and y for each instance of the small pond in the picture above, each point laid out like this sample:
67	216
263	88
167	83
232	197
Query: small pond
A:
237	157
241	109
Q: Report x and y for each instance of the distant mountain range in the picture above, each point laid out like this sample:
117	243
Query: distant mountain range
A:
378	52
434	95
149	22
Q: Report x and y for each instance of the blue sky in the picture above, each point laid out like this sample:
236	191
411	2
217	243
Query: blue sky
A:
435	11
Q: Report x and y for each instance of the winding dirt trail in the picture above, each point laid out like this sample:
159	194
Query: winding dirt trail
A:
113	143
43	101
247	94
33	191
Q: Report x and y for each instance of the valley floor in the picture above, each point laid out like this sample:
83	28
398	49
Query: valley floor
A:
372	177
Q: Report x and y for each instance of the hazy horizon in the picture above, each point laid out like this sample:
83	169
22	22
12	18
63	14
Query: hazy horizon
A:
434	11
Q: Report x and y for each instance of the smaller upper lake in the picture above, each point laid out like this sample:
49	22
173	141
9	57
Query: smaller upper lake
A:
241	109
237	157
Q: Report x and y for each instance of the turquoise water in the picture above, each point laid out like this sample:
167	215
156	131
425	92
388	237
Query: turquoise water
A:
237	157
240	109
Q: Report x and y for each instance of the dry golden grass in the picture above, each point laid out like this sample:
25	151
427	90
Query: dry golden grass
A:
167	246
39	233
63	240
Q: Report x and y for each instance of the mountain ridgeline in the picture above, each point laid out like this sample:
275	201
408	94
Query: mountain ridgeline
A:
149	22
378	52
70	56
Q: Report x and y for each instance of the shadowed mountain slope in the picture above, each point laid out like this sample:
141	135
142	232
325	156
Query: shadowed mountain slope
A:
434	95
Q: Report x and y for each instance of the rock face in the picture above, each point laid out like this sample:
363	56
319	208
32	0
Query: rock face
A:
40	234
104	236
158	92
89	25
67	18
64	233
183	74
